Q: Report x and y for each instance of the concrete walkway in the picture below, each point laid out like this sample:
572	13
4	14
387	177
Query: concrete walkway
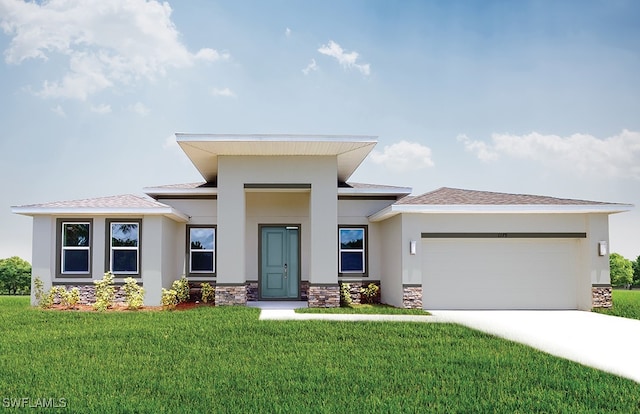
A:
608	343
285	311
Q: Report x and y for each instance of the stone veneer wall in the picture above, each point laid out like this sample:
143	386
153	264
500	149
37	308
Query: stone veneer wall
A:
412	297
252	291
231	295
354	290
324	296
304	290
88	294
601	297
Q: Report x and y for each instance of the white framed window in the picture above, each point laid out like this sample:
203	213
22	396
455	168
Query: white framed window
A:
352	255
124	247
75	247
201	245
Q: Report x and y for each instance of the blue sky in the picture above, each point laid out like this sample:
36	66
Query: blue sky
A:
537	97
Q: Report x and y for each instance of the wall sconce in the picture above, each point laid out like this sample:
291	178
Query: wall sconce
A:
412	247
602	248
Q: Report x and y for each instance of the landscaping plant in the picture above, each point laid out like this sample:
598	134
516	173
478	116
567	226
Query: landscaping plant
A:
169	299
369	293
181	287
133	293
105	292
208	292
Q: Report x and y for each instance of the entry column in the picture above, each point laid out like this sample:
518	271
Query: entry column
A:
231	273
323	272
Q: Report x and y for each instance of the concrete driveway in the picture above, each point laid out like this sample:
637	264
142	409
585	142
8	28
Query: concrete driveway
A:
589	338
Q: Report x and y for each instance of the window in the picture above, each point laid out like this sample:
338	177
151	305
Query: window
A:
352	256
75	251
202	249
124	247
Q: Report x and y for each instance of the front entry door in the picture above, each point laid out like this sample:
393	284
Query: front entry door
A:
279	262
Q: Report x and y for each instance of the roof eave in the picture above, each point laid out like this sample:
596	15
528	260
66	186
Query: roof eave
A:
497	209
169	212
400	191
158	191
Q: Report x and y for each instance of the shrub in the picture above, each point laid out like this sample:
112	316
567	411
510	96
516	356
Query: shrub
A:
105	292
169	299
369	293
208	292
345	294
68	298
44	300
181	287
133	294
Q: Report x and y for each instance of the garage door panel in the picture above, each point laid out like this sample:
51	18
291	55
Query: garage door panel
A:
499	274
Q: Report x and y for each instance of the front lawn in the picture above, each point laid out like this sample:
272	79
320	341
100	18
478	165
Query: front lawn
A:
366	309
626	303
226	360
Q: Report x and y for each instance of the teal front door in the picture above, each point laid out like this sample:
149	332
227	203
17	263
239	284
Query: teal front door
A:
279	262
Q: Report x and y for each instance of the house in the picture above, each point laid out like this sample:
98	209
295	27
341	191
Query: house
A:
277	218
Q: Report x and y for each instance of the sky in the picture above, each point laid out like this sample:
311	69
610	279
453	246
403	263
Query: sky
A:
530	97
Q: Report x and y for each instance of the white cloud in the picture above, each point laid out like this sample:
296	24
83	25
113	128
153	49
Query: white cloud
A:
225	92
403	156
312	66
170	143
106	43
139	108
346	60
59	111
614	157
101	109
287	32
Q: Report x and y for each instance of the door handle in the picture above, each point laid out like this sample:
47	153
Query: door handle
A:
285	270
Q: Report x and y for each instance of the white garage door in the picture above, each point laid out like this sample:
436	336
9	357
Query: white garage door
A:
500	273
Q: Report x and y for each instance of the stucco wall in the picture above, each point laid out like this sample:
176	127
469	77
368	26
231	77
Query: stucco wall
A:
391	261
236	171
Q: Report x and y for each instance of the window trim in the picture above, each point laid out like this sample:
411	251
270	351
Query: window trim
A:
188	250
109	249
60	222
365	250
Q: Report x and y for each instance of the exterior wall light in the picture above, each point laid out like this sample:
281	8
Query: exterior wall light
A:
412	247
602	248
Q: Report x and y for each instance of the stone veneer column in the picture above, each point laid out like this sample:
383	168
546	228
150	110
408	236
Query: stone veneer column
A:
601	296
231	294
324	296
412	296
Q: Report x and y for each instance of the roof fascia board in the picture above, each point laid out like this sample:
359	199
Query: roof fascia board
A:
170	212
186	137
374	191
180	191
498	209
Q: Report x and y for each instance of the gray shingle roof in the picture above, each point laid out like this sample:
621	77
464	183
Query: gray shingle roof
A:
118	201
456	196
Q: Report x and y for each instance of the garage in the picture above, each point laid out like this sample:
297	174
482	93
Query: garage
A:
501	270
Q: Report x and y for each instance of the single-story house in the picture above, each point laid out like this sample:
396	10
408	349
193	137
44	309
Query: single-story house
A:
276	218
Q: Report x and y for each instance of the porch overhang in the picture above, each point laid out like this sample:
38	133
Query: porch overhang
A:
204	149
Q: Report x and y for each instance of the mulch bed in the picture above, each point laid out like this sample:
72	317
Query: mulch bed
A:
121	307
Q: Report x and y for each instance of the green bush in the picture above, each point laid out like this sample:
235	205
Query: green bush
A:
208	292
44	300
369	293
181	287
68	298
133	294
105	292
169	299
345	294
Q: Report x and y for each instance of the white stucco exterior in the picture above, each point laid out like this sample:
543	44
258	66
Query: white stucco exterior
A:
549	256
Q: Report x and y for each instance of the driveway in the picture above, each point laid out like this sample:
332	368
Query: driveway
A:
608	343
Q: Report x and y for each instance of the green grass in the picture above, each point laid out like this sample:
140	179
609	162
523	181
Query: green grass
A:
626	303
225	360
366	309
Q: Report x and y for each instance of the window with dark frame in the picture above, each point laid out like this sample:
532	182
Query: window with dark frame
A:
124	247
202	249
75	254
352	256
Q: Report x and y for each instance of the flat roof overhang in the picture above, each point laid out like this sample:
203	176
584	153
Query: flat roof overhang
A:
204	149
